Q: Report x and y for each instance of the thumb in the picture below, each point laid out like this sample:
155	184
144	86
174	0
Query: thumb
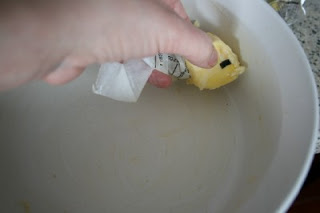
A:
185	39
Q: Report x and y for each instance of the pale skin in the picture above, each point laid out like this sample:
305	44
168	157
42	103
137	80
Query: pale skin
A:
55	41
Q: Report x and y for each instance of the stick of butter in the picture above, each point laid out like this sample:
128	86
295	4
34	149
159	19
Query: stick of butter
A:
226	70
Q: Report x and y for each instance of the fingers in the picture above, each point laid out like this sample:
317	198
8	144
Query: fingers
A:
160	79
179	9
184	39
64	74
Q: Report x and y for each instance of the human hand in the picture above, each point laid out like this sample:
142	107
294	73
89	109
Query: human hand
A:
56	40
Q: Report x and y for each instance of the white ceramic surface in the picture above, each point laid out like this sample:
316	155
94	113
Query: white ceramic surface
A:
242	148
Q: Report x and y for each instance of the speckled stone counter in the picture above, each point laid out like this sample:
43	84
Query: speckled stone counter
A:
308	33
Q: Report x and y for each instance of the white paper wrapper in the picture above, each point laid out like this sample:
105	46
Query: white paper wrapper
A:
125	82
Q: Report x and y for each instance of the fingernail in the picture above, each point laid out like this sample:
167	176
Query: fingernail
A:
213	58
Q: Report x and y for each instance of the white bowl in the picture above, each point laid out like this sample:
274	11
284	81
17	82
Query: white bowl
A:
243	148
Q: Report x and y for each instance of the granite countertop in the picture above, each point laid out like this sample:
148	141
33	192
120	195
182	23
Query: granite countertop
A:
307	31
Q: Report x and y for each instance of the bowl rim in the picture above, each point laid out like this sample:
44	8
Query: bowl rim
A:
297	185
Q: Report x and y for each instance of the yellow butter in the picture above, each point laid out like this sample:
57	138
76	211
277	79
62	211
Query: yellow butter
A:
226	70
